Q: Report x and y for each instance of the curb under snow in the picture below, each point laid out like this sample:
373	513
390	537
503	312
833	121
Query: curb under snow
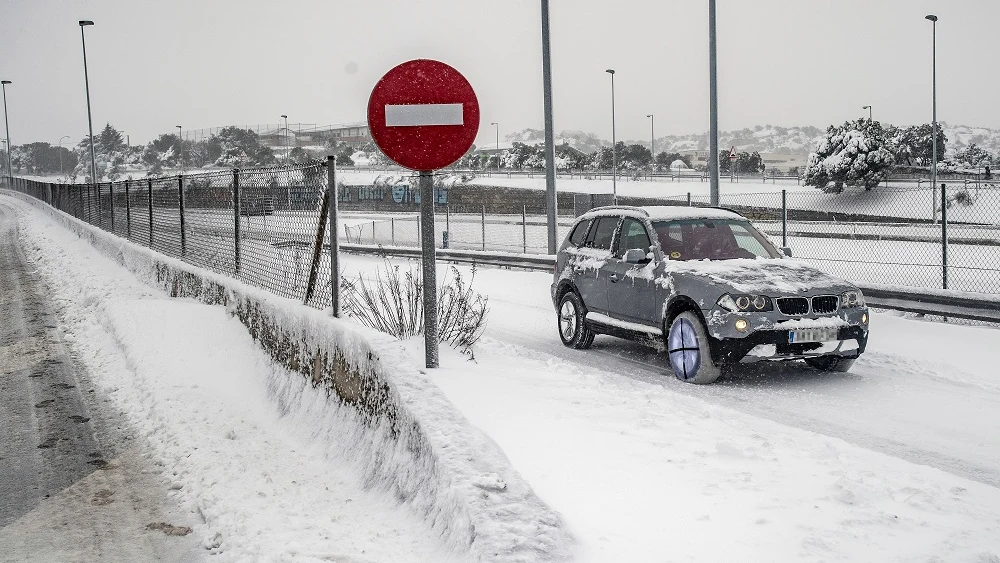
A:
410	440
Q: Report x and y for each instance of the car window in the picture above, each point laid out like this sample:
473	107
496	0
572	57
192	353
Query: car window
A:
602	233
704	239
633	235
578	235
747	241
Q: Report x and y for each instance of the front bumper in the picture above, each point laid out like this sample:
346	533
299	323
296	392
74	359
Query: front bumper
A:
774	345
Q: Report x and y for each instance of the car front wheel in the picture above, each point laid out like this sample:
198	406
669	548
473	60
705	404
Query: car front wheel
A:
573	330
689	352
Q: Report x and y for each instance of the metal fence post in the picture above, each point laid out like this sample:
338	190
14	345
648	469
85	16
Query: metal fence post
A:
482	218
236	219
392	229
128	211
944	237
374	240
111	203
149	198
689	199
331	194
180	208
524	230
784	217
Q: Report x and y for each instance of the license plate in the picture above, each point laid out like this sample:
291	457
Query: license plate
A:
812	335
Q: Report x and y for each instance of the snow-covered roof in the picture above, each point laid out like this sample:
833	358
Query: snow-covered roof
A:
671	212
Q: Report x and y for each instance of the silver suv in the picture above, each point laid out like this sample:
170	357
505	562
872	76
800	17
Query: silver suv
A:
706	286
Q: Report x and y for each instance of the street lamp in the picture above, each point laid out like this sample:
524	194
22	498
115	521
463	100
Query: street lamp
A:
614	149
6	122
285	117
180	138
60	153
652	139
869	108
90	121
497	126
933	20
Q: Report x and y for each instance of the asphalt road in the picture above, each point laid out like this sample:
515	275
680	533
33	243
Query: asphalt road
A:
74	485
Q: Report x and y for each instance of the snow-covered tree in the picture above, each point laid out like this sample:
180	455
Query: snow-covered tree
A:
973	156
854	154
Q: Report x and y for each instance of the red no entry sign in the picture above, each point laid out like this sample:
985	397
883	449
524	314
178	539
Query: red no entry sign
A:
423	114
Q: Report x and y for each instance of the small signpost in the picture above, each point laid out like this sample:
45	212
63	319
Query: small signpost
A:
732	163
424	115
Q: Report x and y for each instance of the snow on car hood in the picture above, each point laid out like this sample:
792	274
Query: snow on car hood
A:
745	275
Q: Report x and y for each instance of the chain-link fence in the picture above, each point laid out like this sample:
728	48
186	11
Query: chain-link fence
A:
262	225
887	235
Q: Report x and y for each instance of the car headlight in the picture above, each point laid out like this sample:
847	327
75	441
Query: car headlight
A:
743	303
852	299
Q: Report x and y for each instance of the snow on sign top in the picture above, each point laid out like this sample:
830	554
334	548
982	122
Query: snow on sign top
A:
423	114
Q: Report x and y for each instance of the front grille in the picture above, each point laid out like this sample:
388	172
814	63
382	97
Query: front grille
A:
793	305
823	304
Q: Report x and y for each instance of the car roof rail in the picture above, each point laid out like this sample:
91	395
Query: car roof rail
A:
621	208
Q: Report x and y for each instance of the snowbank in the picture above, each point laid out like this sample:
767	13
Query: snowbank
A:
395	423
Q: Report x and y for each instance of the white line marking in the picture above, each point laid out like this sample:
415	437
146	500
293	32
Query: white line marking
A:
413	115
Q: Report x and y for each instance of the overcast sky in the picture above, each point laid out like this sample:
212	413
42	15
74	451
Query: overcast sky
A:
155	64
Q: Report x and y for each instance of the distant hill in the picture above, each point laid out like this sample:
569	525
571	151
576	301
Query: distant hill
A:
761	138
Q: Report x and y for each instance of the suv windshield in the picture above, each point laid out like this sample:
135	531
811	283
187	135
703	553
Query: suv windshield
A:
712	239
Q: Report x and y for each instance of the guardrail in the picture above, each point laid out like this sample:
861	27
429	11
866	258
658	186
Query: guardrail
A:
945	303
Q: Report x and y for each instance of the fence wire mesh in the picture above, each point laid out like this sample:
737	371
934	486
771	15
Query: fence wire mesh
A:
262	225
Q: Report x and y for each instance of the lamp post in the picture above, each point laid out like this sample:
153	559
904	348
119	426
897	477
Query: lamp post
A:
614	148
285	117
60	154
90	121
933	20
869	108
5	148
6	122
652	139
497	126
180	138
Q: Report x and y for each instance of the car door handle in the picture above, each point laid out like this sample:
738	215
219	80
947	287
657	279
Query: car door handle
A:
614	278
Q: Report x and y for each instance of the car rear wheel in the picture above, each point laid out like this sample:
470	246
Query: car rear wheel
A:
689	352
831	363
573	330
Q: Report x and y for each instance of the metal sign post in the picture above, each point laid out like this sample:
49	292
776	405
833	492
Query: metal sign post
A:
424	115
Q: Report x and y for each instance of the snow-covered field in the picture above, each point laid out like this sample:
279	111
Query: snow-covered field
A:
897	461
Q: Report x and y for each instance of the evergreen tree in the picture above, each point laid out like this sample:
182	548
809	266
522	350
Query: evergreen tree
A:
854	154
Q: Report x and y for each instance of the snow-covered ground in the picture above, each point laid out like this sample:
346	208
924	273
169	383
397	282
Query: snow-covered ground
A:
208	401
897	461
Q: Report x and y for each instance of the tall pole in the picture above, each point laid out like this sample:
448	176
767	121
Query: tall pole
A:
60	154
933	19
90	121
6	122
497	126
713	108
180	136
652	139
551	202
869	108
429	268
285	117
614	147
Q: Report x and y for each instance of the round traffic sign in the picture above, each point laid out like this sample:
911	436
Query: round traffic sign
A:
423	114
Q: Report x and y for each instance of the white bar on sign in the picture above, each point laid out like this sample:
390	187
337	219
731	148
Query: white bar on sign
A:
413	115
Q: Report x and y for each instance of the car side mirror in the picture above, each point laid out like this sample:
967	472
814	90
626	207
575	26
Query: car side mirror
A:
787	251
634	256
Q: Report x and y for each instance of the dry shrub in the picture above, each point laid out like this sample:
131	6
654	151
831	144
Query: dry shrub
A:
392	302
